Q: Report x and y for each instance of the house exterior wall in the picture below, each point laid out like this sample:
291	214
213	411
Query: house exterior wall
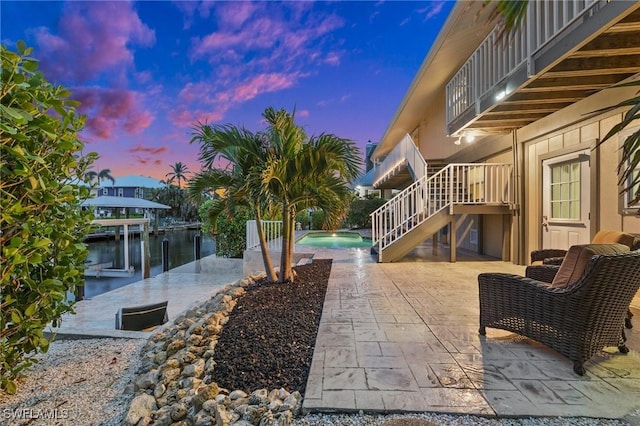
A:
569	131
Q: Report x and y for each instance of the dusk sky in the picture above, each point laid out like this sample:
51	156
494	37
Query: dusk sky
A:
146	72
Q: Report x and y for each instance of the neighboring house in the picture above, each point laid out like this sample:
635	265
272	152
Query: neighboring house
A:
497	144
131	186
364	184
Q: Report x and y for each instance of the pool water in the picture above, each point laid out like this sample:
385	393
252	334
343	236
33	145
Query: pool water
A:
335	240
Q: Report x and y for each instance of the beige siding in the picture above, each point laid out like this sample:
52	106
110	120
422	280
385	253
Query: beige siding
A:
563	134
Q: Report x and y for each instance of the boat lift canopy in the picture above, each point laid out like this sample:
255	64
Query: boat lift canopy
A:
127	271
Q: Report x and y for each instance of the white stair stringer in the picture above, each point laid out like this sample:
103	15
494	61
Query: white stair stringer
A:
415	236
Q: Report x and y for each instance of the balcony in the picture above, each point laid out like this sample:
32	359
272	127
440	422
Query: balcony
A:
564	52
400	167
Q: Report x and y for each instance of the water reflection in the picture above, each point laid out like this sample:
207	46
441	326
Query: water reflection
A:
181	251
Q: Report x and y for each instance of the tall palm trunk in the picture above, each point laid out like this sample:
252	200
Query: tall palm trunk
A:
285	257
292	234
266	257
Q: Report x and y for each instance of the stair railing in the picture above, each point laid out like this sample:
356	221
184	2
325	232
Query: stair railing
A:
475	183
405	153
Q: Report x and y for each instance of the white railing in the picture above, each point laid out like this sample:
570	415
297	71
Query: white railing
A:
405	153
272	231
493	61
474	183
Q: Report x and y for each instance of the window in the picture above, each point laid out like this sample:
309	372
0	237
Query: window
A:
635	188
105	191
565	190
628	206
120	192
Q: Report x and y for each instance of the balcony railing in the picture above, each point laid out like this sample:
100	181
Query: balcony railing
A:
272	232
493	61
405	154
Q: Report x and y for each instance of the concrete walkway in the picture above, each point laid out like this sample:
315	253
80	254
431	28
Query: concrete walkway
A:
182	287
404	337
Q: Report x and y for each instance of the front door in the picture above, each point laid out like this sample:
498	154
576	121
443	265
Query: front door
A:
565	198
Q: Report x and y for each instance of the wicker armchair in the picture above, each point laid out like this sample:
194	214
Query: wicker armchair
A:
577	320
546	274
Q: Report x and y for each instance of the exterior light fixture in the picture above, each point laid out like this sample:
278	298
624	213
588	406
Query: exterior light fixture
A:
458	141
469	138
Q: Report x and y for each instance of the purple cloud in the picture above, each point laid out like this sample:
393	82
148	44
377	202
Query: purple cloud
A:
93	39
112	109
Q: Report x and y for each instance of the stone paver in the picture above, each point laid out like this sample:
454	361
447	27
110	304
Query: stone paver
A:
182	287
404	337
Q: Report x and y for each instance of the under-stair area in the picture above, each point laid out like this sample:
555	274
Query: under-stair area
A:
434	201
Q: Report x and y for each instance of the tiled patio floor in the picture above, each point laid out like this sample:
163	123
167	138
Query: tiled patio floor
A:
404	337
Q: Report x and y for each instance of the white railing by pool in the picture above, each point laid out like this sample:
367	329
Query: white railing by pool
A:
475	183
405	153
493	60
272	231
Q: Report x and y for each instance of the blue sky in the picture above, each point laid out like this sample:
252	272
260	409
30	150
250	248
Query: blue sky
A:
146	72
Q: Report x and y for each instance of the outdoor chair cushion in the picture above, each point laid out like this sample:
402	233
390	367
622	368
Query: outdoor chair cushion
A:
605	236
608	236
577	259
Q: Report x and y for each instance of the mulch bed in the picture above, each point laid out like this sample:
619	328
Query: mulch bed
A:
269	339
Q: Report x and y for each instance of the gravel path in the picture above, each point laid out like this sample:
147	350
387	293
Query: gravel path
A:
78	382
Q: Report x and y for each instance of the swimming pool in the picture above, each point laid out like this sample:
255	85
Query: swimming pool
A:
329	239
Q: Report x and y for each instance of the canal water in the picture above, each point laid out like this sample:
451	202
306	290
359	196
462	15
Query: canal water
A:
181	251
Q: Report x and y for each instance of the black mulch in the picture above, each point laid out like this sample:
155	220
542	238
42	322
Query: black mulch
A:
269	339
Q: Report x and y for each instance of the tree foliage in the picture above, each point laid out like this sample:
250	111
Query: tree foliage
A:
230	233
43	225
179	172
306	172
359	215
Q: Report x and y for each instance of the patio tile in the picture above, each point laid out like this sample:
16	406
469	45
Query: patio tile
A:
382	361
424	375
340	357
390	379
538	393
450	397
344	378
404	401
371	336
339	399
368	349
510	403
369	400
451	376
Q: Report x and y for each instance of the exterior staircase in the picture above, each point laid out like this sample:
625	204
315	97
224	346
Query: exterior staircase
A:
431	203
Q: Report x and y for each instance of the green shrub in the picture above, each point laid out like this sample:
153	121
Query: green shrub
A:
231	238
360	211
317	219
43	226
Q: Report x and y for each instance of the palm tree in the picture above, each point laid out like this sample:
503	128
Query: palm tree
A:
178	171
105	174
303	172
511	14
244	153
99	176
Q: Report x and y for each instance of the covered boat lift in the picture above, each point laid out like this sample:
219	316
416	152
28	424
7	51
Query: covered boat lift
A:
105	270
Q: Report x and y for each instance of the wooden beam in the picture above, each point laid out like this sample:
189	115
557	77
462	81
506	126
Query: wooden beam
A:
577	67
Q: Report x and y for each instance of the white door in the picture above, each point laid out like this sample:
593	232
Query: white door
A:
565	198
